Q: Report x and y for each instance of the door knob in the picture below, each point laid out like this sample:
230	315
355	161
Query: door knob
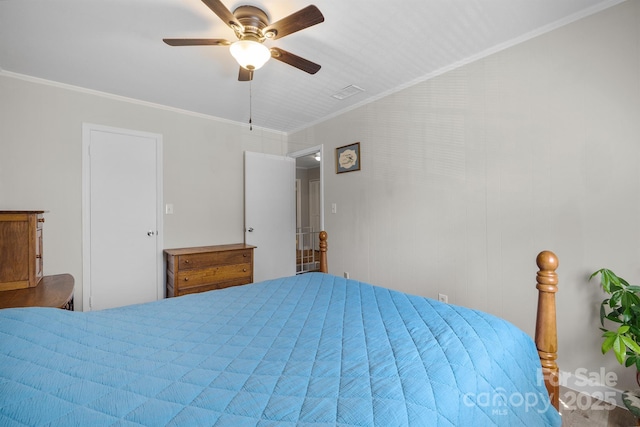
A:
250	230
150	233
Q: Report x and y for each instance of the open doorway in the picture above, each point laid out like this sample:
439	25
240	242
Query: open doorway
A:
309	208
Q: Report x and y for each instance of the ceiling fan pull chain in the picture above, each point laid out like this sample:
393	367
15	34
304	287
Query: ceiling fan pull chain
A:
250	107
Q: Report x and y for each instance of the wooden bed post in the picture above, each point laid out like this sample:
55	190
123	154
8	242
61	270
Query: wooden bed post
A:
324	267
546	328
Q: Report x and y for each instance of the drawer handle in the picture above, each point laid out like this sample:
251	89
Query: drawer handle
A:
186	261
244	270
186	279
244	255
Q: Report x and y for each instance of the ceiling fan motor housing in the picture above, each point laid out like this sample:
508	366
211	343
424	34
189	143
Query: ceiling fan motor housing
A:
253	20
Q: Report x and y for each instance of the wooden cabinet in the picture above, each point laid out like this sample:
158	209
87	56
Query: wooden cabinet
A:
20	249
204	268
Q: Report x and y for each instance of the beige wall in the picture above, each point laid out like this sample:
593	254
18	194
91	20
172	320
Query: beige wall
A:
41	166
467	176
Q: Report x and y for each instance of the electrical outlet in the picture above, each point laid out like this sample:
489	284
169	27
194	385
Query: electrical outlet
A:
346	274
443	298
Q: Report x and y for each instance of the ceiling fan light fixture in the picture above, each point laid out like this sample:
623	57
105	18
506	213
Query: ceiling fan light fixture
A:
250	54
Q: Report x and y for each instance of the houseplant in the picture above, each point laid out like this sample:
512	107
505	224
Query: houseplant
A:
622	307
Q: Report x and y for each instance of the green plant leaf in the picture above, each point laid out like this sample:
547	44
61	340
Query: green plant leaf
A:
607	344
604	281
619	349
631	344
611	276
628	299
624	299
623	329
614	317
615	299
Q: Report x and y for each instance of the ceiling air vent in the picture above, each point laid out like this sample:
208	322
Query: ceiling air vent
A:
347	92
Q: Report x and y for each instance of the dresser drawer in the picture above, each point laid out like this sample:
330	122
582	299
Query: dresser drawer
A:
217	274
212	286
200	260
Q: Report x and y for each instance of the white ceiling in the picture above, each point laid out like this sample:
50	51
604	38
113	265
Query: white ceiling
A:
115	46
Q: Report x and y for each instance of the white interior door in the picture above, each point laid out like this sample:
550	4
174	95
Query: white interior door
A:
122	218
270	214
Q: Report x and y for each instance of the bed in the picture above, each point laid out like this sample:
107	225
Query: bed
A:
308	350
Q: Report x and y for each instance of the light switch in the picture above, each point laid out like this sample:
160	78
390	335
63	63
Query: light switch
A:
168	209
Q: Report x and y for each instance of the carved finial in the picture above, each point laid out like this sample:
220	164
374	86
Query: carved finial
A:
547	261
324	267
547	278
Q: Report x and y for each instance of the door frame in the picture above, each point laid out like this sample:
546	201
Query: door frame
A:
87	128
306	152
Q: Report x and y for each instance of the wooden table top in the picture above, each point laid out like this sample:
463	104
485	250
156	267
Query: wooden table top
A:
52	291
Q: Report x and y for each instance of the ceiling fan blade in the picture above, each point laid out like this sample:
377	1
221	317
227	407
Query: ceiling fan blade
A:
245	75
297	21
197	42
223	13
294	60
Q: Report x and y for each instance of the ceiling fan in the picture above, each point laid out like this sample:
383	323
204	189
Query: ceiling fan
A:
252	28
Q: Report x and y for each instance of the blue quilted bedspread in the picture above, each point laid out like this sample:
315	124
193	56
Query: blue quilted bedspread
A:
313	350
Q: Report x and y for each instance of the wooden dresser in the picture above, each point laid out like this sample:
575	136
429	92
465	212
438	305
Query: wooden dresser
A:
204	268
20	249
